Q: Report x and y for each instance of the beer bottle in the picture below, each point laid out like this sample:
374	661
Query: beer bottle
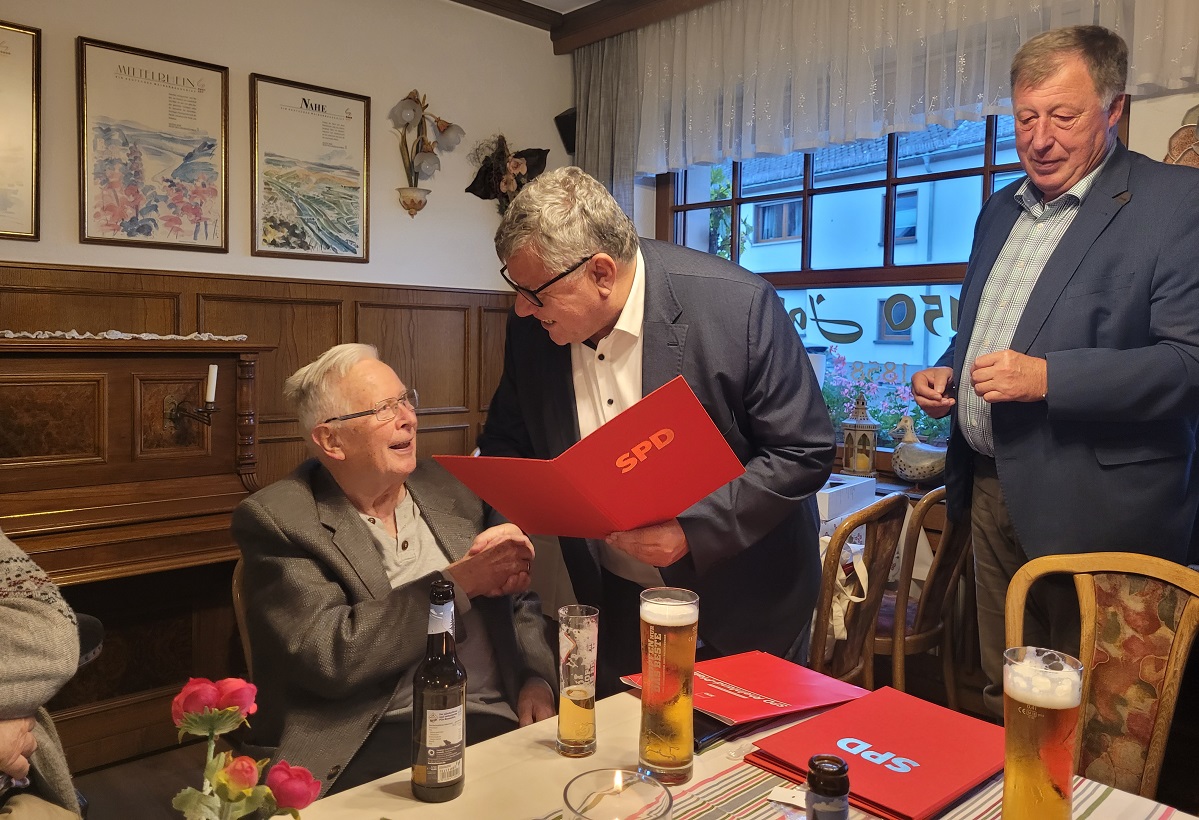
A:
439	707
828	788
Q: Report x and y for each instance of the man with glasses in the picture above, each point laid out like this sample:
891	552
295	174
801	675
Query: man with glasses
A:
1073	379
603	318
339	558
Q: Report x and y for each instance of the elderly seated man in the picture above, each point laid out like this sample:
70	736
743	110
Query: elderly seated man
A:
41	652
339	560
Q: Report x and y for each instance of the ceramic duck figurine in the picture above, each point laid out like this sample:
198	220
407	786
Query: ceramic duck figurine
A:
913	460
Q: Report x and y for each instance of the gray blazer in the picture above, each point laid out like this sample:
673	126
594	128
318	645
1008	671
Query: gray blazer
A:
41	653
1108	462
753	554
330	637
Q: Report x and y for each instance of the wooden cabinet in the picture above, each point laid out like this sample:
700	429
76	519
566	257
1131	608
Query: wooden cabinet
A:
127	507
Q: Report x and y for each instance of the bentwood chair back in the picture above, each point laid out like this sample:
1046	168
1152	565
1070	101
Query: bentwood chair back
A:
239	612
928	621
1139	617
852	659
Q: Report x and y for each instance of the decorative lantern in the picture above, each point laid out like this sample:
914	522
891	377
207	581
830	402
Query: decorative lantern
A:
859	433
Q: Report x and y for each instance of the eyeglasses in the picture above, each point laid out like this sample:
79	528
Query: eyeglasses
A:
531	293
385	410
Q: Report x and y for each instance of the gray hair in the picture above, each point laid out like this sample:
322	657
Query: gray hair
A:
311	390
1104	52
564	216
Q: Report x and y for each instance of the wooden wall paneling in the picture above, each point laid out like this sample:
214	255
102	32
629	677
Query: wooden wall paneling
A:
445	439
493	324
87	310
300	329
429	347
51	418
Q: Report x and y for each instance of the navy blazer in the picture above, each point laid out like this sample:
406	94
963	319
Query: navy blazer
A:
1106	462
753	557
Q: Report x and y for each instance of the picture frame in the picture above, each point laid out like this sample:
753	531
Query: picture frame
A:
311	171
20	146
153	149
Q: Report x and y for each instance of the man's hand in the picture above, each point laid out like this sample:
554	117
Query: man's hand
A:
658	545
535	702
498	563
931	389
16	745
1009	376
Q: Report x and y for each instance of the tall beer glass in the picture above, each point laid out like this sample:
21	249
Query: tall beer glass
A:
578	637
669	623
1042	690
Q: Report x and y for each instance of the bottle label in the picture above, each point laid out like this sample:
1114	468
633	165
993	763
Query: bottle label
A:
441	618
444	747
824	807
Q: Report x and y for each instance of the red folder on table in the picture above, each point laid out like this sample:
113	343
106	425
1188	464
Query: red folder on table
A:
908	758
647	465
755	686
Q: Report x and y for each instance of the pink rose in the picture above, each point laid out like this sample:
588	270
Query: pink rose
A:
294	787
197	695
240	774
236	692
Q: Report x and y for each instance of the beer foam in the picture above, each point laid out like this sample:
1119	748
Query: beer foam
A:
1032	682
664	613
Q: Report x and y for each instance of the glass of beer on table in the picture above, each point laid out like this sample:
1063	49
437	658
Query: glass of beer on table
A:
578	637
1042	690
669	623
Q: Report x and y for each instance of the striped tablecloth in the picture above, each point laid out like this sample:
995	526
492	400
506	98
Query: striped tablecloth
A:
740	792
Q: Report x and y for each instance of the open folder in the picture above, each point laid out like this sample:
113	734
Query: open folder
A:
645	466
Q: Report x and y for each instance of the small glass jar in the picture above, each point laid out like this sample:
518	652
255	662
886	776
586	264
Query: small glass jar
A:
828	788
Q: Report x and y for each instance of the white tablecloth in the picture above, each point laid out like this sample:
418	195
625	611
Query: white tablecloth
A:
520	776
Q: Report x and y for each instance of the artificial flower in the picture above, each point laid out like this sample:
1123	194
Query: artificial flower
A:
231	786
294	787
502	172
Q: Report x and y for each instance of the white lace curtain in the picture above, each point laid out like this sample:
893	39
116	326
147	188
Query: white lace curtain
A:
739	78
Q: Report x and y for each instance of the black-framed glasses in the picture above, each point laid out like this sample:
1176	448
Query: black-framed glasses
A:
531	293
385	410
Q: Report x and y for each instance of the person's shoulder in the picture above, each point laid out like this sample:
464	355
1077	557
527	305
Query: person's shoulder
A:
688	267
292	489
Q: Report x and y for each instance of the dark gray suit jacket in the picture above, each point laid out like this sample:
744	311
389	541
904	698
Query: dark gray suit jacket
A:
330	637
1107	462
753	555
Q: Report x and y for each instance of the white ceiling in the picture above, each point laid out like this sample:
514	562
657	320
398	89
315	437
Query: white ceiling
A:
563	6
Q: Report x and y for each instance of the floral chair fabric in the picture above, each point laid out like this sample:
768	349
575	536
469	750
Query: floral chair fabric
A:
1136	622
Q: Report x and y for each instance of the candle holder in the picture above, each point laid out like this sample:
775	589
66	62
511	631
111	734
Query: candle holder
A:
182	409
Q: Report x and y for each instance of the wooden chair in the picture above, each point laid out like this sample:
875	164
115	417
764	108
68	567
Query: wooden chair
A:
852	659
1139	618
239	612
928	622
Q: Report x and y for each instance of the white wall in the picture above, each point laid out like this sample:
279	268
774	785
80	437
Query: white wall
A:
1153	121
481	71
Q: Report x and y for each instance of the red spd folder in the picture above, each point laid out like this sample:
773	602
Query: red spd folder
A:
754	686
645	466
908	758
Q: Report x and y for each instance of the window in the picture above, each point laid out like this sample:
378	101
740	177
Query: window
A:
877	286
778	221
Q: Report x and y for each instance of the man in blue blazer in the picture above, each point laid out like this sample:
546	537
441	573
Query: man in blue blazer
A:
601	319
1074	375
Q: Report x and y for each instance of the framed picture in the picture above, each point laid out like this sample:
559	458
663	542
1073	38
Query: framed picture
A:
20	112
311	165
153	149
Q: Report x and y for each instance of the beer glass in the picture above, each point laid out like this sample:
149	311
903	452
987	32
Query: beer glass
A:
578	636
669	622
1042	690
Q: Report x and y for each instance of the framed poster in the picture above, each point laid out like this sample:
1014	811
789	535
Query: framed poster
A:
20	110
311	164
152	149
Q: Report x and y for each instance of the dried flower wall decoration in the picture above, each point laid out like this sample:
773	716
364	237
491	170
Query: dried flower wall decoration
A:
502	172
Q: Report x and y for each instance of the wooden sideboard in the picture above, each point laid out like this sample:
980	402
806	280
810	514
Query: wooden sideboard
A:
127	507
